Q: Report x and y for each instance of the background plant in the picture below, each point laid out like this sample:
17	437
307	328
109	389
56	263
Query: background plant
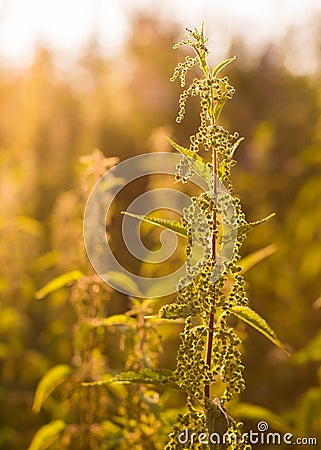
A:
79	418
87	413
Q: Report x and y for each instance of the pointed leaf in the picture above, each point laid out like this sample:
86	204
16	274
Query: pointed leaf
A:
146	376
203	29
47	260
58	283
256	321
142	376
162	320
243	229
251	260
201	54
123	281
235	146
198	164
106	380
116	319
172	225
219	106
47	435
175	312
48	383
222	65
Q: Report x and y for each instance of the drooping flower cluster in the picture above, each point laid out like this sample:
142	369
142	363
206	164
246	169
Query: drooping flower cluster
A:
209	357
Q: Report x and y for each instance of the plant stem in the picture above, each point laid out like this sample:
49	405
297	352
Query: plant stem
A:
209	348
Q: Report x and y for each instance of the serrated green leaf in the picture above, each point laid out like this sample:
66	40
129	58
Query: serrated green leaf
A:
106	380
198	164
222	65
146	376
175	312
252	318
47	435
58	283
142	376
243	229
48	383
117	389
254	258
172	225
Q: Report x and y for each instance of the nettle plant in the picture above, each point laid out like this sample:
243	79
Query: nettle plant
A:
209	362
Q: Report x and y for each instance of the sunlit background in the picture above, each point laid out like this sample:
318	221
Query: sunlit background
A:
65	26
81	75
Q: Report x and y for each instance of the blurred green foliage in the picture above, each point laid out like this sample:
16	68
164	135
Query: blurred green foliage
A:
125	106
